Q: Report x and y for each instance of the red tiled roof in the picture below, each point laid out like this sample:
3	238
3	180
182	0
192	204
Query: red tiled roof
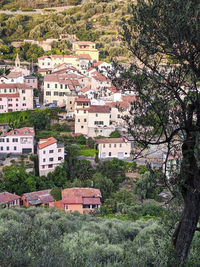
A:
129	98
99	77
9	95
6	197
118	104
91	201
111	140
84	90
99	109
44	196
82	99
85	56
81	192
70	199
14	85
46	142
96	64
27	131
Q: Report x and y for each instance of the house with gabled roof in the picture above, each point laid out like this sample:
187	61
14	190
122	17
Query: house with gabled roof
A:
83	200
50	155
38	198
9	200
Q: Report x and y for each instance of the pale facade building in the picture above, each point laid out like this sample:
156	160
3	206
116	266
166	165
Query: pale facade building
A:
50	155
86	48
114	148
18	141
15	97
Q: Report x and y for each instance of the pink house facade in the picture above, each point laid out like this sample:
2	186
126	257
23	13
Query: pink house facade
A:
31	81
18	141
15	97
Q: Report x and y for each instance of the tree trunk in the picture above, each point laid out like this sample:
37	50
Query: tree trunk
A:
190	189
183	235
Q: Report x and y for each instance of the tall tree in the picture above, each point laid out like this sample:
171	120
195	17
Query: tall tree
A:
163	37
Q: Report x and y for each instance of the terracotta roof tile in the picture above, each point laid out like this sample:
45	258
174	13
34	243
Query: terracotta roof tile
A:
81	192
6	197
111	140
99	109
26	131
14	85
9	95
44	196
46	142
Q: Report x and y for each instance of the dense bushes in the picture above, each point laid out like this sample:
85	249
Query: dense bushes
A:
37	237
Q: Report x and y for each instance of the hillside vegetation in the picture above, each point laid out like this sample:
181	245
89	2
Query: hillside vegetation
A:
96	21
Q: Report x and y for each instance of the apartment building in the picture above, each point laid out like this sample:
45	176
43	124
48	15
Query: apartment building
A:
82	105
18	141
15	97
86	48
31	81
50	155
92	120
57	87
114	148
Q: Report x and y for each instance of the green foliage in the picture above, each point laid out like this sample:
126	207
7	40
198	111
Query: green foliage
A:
87	152
115	134
146	186
40	237
56	193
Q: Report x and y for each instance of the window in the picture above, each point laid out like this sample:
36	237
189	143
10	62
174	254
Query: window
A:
48	85
48	93
84	111
28	81
59	150
5	90
24	98
44	152
1	148
24	104
77	111
70	102
96	115
56	85
50	159
104	145
98	122
7	148
1	106
118	116
65	86
0	99
43	166
79	120
120	145
60	158
55	93
48	63
10	105
85	120
61	86
86	206
109	154
66	206
50	151
7	139
50	166
109	145
115	145
16	105
15	140
44	160
17	99
15	148
82	127
23	91
1	139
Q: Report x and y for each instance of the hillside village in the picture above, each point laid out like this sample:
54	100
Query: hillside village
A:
80	88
